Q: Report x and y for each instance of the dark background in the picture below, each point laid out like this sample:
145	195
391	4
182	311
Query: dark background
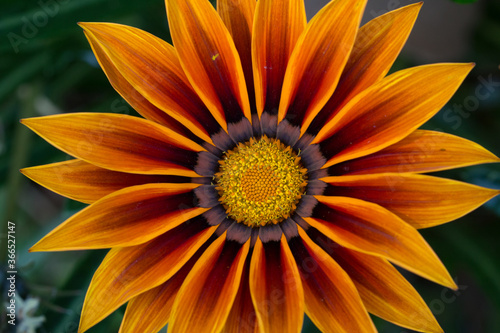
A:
47	67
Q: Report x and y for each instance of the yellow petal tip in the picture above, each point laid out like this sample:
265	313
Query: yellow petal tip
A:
453	286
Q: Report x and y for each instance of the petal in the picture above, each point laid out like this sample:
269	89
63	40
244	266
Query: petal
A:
119	142
317	61
277	26
150	311
331	299
127	272
130	216
389	110
421	151
238	16
146	71
422	201
206	297
377	45
384	291
209	58
242	317
371	229
85	182
131	95
275	287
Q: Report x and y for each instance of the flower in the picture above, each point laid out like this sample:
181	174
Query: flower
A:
278	171
25	314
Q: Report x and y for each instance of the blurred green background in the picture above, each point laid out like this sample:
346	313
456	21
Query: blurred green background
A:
47	67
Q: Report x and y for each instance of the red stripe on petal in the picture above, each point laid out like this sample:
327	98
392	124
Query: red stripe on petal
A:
206	297
138	62
85	182
275	287
422	201
377	45
331	299
421	151
131	216
317	61
242	317
139	102
209	59
128	272
389	111
119	142
371	229
384	291
150	311
238	16
276	28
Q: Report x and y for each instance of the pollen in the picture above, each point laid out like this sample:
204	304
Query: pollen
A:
260	182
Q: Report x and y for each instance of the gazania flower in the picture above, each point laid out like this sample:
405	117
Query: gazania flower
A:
277	172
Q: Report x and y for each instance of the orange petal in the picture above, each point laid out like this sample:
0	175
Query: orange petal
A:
130	271
422	201
377	45
134	97
317	61
242	317
238	15
82	181
146	71
389	110
209	58
206	297
150	311
369	228
277	26
275	287
331	299
421	151
130	216
119	142
384	291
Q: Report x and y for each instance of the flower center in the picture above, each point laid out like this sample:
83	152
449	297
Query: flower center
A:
260	182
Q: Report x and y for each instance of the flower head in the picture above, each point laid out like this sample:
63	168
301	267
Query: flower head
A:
278	171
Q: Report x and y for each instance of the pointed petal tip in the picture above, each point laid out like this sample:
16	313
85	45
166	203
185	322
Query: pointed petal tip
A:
414	6
452	285
468	66
38	248
88	25
30	122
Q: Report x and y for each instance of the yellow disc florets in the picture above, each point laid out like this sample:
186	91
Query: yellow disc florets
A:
260	182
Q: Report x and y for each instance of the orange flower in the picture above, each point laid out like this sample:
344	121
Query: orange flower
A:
277	172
